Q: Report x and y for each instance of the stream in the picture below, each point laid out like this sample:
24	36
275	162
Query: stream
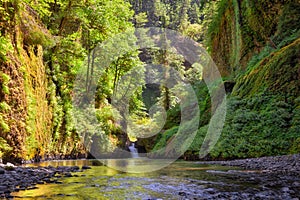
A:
179	180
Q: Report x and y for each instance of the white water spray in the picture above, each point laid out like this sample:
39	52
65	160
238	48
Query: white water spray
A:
133	151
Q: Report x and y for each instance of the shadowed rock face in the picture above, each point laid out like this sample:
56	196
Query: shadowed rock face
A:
229	86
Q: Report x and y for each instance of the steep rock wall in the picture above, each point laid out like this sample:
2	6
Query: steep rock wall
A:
29	104
241	29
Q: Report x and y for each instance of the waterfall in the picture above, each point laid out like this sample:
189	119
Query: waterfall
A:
133	151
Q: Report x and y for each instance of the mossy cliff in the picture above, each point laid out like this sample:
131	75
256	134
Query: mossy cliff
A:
256	47
243	28
29	106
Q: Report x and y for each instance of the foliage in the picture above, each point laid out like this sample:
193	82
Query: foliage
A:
3	125
264	76
4	106
288	28
163	138
241	29
5	47
82	26
140	19
67	32
255	127
4	147
4	82
217	17
42	7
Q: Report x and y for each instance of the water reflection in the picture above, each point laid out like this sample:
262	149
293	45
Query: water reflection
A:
102	182
181	177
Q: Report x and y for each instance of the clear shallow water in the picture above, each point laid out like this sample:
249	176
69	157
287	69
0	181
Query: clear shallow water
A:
171	182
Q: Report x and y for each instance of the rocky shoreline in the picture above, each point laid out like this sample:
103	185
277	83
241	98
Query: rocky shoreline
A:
15	178
286	165
276	177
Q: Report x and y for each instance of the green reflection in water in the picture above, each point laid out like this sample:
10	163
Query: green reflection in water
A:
102	182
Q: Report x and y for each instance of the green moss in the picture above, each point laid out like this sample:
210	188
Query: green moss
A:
4	107
4	146
5	47
288	25
36	37
34	32
255	127
237	40
243	28
275	73
3	125
163	138
214	28
4	78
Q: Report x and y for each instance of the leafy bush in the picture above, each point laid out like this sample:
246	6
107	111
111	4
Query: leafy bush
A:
4	146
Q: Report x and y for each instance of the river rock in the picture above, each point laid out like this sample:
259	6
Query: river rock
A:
14	178
85	167
285	189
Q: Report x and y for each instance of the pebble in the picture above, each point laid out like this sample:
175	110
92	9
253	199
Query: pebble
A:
285	189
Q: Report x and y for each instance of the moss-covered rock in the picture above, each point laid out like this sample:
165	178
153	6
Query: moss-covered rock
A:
29	112
256	45
278	73
241	29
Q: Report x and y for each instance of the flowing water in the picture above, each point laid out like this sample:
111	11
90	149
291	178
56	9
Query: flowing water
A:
180	180
133	151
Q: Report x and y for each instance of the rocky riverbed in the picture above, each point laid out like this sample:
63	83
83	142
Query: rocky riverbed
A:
285	165
258	178
276	177
16	178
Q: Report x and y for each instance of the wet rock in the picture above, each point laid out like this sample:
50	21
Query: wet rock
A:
181	193
58	182
68	174
210	191
285	189
85	167
95	185
3	187
14	178
40	182
75	168
296	184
